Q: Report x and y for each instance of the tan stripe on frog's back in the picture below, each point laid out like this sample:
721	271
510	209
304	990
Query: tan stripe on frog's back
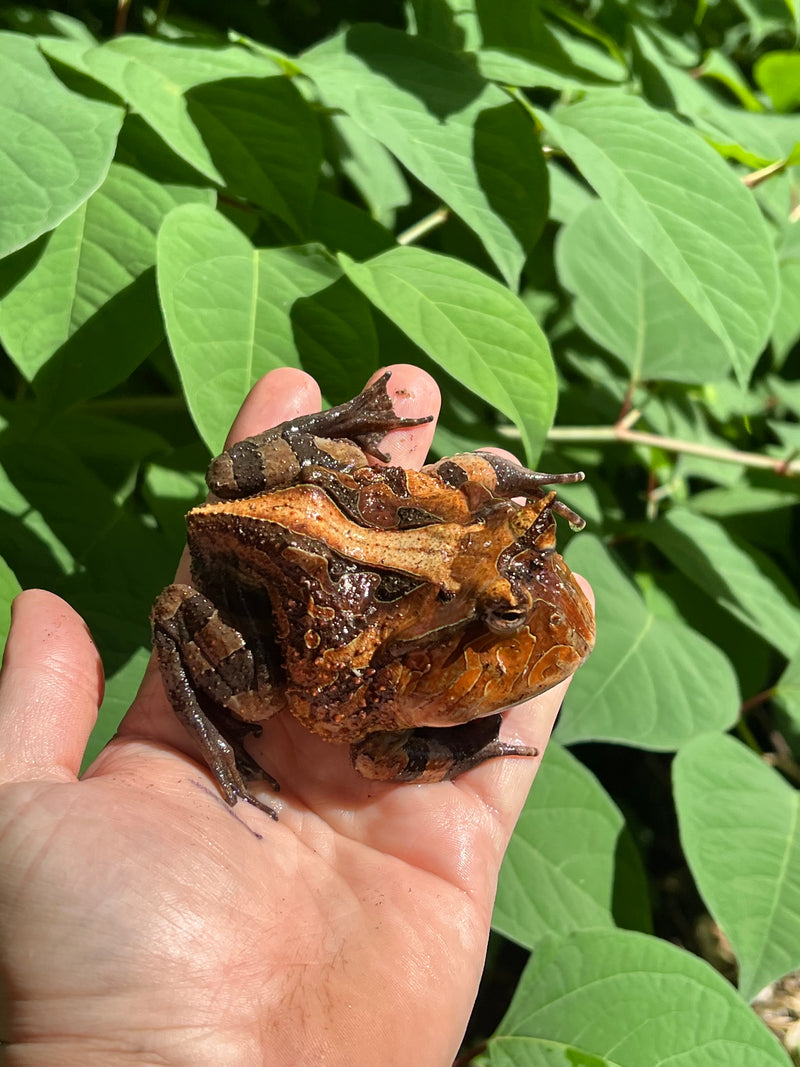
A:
428	552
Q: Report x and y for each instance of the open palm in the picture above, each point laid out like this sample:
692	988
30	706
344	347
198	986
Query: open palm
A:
142	920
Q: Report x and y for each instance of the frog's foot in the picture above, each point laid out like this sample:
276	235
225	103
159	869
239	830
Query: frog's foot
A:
365	419
432	754
184	621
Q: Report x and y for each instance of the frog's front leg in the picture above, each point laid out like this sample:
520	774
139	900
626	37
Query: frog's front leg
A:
340	438
432	754
210	678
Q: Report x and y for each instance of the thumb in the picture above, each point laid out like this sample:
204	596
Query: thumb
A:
51	685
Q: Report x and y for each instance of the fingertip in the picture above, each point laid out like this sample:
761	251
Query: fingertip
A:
414	394
282	394
51	686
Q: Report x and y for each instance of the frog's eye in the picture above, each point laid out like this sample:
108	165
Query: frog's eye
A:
506	618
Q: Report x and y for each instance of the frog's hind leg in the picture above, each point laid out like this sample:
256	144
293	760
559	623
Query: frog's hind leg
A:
278	456
432	754
208	672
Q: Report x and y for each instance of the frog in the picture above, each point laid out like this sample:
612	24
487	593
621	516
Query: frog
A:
397	611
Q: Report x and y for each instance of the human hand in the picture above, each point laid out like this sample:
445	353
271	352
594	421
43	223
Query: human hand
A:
142	920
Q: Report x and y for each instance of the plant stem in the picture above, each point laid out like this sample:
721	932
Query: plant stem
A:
120	22
756	177
755	701
623	432
419	229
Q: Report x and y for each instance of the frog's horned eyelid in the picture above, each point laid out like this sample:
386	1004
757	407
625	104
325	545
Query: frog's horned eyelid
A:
573	518
557	479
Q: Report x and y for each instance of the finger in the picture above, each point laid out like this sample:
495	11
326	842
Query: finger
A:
414	395
283	394
51	686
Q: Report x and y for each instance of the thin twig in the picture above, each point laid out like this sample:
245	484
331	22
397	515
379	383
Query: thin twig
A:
759	176
419	229
755	701
121	20
622	432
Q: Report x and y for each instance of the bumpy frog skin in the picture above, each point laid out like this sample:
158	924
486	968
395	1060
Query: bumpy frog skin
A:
394	610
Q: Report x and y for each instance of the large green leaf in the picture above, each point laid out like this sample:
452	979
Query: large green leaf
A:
638	1001
154	77
459	135
86	272
651	682
684	208
624	302
228	309
739	829
471	325
737	576
265	141
56	146
560	868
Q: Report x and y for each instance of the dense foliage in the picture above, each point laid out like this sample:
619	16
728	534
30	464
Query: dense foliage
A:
546	203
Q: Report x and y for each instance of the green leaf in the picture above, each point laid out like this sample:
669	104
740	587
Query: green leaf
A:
624	302
335	334
459	135
343	227
639	1001
684	208
264	140
371	169
520	48
755	139
738	823
9	587
651	682
154	77
83	288
558	873
787	688
778	74
228	310
537	1052
452	24
40	556
737	576
472	326
786	330
57	146
568	195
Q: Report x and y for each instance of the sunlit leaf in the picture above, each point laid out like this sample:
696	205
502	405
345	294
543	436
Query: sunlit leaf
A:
56	149
651	682
470	324
739	829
